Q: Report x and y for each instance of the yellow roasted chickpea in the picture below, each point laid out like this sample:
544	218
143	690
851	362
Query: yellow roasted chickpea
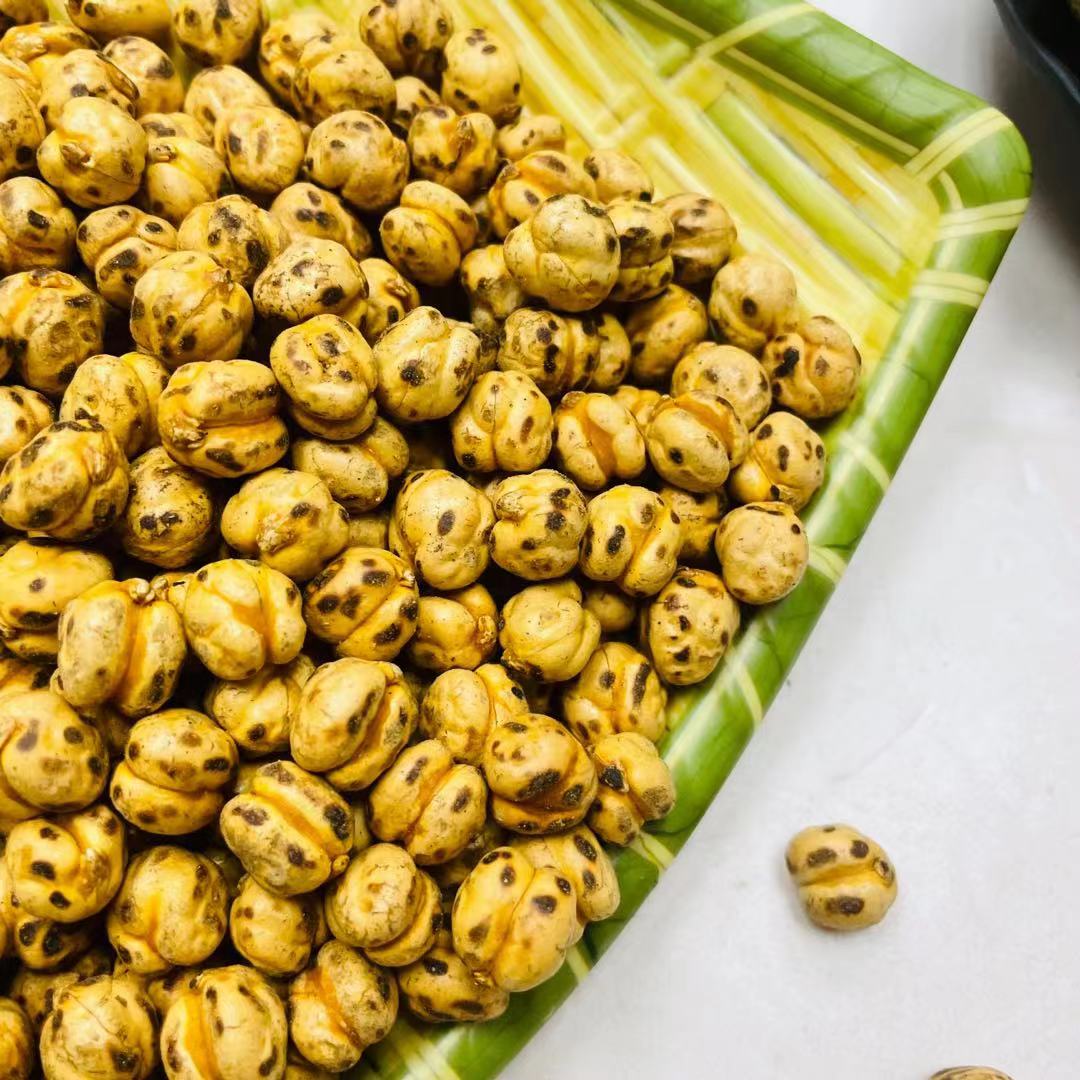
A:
291	830
276	934
461	707
514	922
365	603
845	880
729	372
597	440
969	1072
23	414
69	482
704	236
413	94
786	463
636	786
120	243
632	538
369	529
171	909
567	253
481	74
763	551
103	1027
311	277
221	418
428	804
546	634
18	676
408	36
357	155
688	626
661	330
20	12
695	439
52	322
211	32
455	151
36	228
814	370
339	1007
449	875
559	353
699	515
262	147
456	630
239	235
531	132
428	233
391	296
258	712
95	154
46	945
240	615
160	88
181	173
171	516
40	577
523	185
38	44
353	719
215	90
174	125
539	522
22	126
401	927
35	992
493	294
66	868
617	690
504	424
287	519
84	73
281	44
177	768
615	610
305	210
645	236
618	176
639	401
338	73
441	525
439	988
119	645
753	300
228	1023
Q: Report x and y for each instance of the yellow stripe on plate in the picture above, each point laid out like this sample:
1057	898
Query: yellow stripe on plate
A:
870	462
751	27
827	563
403	1039
577	963
749	690
955	142
1008	208
944	295
665	14
954	280
977	228
654	850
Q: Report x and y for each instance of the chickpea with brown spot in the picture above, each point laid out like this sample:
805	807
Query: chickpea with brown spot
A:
455	151
597	441
455	630
786	462
311	277
428	233
814	370
119	244
408	36
522	186
303	210
36	228
181	174
336	73
481	74
558	352
763	551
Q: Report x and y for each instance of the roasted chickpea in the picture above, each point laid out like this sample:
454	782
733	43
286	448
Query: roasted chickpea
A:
356	154
52	323
523	185
239	235
439	988
36	228
21	12
413	94
291	830
557	352
221	417
639	401
40	577
645	235
814	370
45	945
503	424
661	330
337	73
240	615
304	210
114	20
35	992
632	538
597	440
258	712
369	529
409	36
181	173
753	300
457	630
732	373
969	1072
529	912
391	296
171	909
95	154
174	125
311	277
159	88
69	482
763	551
365	603
171	513
618	176
262	147
449	875
84	73
493	294
39	44
455	151
461	707
339	1007
614	610
23	413
428	233
531	132
119	244
689	625
613	355
228	1023
276	934
16	1041
481	74
546	634
16	677
402	926
216	90
699	515
103	1027
211	32
704	236
786	463
441	525
281	44
636	786
845	879
428	804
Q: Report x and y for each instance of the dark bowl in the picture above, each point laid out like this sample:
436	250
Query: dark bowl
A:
1047	33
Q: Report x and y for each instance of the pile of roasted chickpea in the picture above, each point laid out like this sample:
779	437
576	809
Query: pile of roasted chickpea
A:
328	672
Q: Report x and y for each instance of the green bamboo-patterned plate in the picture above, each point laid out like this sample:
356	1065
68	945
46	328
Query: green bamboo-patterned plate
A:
893	197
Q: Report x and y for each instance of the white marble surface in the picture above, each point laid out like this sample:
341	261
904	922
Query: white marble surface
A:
936	707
